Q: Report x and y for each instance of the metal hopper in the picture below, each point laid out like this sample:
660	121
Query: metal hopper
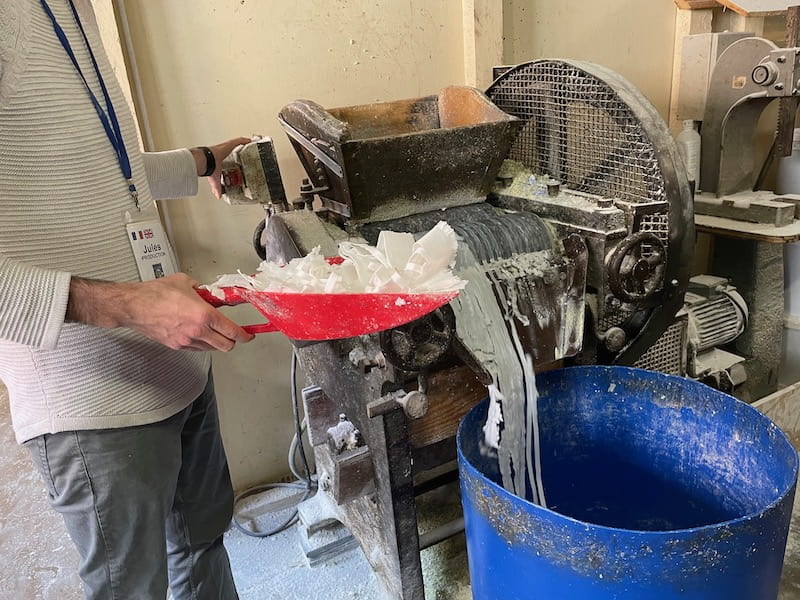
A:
374	162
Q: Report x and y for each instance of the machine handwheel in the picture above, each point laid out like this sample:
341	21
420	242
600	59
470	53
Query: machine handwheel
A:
417	345
636	267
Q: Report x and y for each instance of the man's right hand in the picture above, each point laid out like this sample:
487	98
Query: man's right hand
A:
166	310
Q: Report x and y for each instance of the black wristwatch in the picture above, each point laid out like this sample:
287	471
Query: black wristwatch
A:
211	162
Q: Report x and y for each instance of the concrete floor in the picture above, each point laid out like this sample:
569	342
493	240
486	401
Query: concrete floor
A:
37	560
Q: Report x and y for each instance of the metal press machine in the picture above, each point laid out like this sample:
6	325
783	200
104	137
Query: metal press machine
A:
566	186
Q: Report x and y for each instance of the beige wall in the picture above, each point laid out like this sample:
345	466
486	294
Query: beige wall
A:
104	12
213	69
633	37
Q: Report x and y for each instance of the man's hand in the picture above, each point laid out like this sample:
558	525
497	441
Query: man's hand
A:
166	310
220	152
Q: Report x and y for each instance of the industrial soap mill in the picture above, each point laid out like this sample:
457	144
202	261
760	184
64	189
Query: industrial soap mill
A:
567	195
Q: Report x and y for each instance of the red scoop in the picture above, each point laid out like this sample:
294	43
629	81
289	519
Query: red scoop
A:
329	316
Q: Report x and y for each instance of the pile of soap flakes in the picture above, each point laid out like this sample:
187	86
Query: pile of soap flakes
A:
397	264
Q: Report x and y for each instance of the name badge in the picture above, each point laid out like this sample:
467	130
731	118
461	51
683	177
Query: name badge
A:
151	249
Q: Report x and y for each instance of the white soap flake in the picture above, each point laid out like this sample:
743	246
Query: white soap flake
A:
398	264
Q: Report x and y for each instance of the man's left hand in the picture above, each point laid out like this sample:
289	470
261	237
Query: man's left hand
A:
220	152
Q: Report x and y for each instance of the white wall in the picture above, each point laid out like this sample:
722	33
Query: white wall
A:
104	12
213	69
632	37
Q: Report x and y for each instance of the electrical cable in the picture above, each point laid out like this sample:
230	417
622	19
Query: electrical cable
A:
292	458
305	481
296	415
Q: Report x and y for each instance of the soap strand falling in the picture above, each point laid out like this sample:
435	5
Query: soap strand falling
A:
529	452
534	449
510	418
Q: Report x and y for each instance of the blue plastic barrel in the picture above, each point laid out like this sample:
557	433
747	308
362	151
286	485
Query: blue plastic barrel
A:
657	488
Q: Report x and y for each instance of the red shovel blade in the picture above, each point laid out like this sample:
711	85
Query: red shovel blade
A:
330	316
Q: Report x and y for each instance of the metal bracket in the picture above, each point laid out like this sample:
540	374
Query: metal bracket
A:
414	404
778	73
318	153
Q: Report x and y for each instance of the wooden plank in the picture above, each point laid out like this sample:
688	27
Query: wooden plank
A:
758	8
696	4
787	107
752	211
451	394
398	481
747	231
687	22
483	40
783	407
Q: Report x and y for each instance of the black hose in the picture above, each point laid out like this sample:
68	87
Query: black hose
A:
296	414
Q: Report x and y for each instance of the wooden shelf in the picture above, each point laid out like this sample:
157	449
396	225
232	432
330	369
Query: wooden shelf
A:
759	8
749	231
696	4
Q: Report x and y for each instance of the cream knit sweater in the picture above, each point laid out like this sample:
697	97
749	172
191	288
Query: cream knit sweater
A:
62	197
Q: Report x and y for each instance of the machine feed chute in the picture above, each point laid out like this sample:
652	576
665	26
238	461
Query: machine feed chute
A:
390	159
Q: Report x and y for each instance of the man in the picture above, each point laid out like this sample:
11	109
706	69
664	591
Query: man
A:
117	411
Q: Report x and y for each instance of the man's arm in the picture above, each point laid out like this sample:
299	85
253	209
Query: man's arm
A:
220	152
35	302
174	173
32	303
166	310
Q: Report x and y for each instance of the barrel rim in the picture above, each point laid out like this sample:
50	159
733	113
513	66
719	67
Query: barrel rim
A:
632	371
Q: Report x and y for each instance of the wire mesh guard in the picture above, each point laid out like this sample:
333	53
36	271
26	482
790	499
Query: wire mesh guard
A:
668	354
658	225
590	129
579	131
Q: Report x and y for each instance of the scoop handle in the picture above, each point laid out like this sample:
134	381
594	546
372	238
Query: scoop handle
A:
233	301
260	328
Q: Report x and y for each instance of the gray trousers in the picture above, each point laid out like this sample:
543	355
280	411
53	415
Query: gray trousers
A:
145	505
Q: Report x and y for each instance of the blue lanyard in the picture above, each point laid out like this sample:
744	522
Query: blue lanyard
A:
107	117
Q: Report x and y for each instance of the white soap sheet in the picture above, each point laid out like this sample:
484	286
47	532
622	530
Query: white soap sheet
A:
397	264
